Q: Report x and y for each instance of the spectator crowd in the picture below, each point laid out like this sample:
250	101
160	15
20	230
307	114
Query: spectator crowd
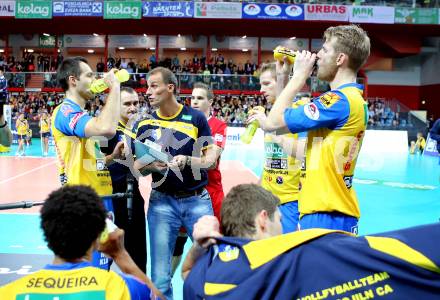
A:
232	109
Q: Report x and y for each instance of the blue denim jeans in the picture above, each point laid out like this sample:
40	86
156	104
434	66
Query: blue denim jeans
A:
166	215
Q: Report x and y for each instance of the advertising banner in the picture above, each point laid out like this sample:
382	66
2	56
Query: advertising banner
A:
84	41
7	8
25	9
78	8
273	11
431	147
416	15
49	41
217	10
122	9
132	41
295	44
168	9
372	14
326	12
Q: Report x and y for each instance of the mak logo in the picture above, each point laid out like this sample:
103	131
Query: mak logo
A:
363	12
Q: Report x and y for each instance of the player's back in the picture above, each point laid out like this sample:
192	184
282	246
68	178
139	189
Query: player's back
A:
78	281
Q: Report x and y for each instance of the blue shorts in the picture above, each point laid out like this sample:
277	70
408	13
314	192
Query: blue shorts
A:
289	216
336	221
45	134
99	260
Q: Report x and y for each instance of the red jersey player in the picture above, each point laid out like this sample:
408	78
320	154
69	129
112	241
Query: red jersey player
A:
201	99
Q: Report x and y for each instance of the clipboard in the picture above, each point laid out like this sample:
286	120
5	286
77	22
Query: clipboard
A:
148	151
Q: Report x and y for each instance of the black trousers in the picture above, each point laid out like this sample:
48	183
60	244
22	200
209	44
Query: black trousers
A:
135	229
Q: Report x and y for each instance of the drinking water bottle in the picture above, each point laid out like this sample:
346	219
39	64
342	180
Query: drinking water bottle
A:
99	85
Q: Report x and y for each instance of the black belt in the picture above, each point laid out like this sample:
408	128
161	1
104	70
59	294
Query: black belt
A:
186	194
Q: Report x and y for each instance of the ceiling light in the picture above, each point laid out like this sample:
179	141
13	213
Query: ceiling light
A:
244	36
2	50
30	50
179	35
152	48
183	48
145	35
292	38
121	48
91	51
244	50
95	34
46	34
214	49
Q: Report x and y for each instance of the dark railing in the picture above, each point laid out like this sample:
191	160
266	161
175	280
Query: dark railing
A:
224	82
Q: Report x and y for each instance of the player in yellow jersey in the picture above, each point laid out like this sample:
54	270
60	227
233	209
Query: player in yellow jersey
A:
281	171
418	145
22	127
72	220
76	134
335	121
45	132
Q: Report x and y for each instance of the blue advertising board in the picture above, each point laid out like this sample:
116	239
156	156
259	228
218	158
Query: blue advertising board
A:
168	9
273	11
78	8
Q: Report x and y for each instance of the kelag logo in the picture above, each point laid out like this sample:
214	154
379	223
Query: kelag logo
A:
294	10
252	9
272	10
33	10
123	10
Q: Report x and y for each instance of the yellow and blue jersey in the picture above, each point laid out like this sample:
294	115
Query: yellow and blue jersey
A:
45	125
281	171
75	281
119	171
22	127
185	133
321	264
80	160
336	123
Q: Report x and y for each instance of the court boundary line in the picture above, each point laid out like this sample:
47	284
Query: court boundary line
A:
27	172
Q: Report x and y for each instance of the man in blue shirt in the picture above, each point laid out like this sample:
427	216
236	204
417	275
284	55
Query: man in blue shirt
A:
255	262
73	219
178	197
129	212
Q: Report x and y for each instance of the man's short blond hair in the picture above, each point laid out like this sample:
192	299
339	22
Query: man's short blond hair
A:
271	67
351	40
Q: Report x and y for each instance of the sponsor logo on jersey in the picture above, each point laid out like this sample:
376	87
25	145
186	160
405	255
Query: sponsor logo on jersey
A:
311	111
